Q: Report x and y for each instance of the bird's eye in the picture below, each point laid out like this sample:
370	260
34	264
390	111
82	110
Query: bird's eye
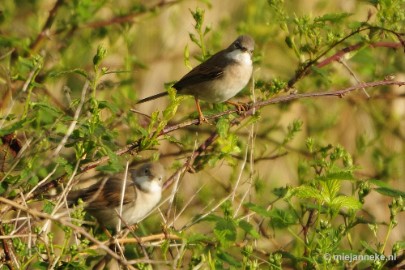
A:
237	45
147	171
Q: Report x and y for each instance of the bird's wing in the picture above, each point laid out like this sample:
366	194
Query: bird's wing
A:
107	194
208	70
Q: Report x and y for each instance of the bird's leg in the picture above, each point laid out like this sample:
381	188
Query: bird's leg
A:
239	106
105	230
201	117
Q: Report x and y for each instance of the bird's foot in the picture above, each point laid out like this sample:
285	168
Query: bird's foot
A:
240	107
202	119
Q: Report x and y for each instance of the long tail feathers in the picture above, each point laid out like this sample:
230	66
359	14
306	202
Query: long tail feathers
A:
152	97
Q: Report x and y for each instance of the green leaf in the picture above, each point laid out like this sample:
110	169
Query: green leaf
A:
226	257
48	207
321	72
101	53
40	265
225	231
111	106
211	218
197	238
400	245
332	17
114	165
46	108
3	187
82	72
258	209
308	192
186	56
390	192
223	127
346	202
14	127
341	175
229	145
33	180
165	248
195	40
330	189
380	183
282	218
368	247
248	228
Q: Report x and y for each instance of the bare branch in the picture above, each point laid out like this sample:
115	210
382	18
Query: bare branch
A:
48	24
74	122
65	222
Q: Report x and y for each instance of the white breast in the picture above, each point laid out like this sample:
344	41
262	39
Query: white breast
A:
235	77
241	57
144	203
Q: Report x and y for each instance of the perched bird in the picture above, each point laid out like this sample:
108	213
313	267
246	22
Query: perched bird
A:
143	191
219	78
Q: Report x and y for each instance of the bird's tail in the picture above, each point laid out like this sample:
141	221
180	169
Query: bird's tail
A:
152	97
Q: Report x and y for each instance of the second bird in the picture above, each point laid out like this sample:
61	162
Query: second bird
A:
219	78
143	191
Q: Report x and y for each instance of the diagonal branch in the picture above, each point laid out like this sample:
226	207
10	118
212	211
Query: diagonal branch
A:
305	68
130	17
47	26
251	111
342	52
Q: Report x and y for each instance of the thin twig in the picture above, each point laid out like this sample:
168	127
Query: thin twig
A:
8	251
40	183
242	167
171	224
188	225
351	72
342	52
305	70
124	184
74	122
63	221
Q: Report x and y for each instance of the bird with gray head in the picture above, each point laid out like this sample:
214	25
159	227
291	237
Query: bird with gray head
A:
219	78
143	191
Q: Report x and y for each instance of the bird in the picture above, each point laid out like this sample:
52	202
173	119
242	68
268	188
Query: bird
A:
143	191
219	78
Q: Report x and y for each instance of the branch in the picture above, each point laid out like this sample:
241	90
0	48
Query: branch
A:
74	122
252	109
305	69
48	24
190	160
339	54
63	221
252	106
9	256
129	17
144	239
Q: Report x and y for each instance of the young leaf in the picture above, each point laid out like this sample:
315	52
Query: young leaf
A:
248	228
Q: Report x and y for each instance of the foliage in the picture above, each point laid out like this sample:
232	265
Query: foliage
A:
296	182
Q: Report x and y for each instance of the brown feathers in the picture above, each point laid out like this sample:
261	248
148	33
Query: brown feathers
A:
143	190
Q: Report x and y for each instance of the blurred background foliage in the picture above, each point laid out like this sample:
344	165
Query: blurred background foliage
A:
282	188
